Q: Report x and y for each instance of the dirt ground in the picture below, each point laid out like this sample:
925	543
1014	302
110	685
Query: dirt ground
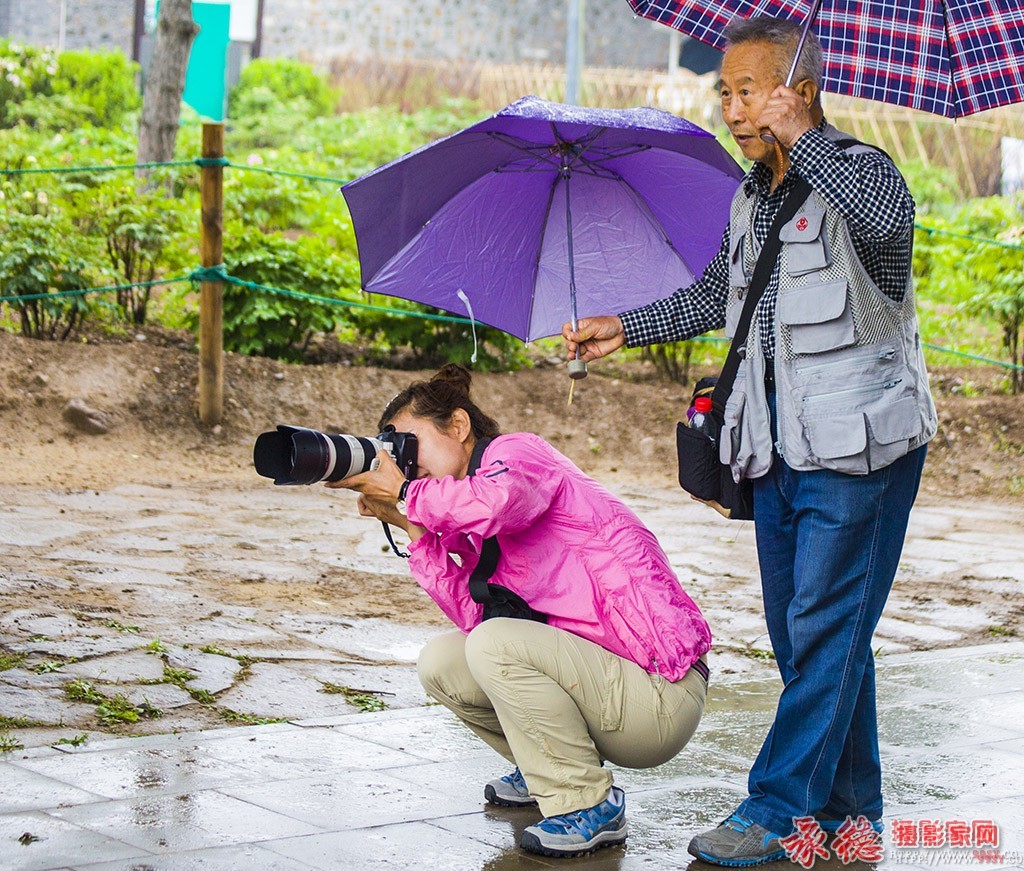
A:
620	424
160	524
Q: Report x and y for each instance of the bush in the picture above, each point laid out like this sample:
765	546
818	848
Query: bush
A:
103	82
42	254
259	322
25	72
290	84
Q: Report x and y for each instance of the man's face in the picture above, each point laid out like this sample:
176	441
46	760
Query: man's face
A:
749	75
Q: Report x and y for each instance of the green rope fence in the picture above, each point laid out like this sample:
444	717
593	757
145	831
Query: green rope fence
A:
219	273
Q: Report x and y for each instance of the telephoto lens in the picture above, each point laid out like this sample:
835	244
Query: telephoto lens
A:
297	455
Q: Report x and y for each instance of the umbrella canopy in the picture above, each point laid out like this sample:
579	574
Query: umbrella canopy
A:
948	57
541	200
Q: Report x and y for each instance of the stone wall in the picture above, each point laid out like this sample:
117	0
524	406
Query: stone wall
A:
502	31
95	24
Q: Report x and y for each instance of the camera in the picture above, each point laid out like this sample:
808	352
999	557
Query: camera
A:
297	455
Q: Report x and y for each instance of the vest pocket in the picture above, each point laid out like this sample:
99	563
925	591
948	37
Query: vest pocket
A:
806	246
839	443
817	316
861	441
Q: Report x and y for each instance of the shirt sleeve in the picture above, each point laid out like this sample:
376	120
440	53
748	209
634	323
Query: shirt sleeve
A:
511	489
690	311
865	188
445	577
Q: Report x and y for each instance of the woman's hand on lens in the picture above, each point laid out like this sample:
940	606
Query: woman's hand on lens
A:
388	513
382	484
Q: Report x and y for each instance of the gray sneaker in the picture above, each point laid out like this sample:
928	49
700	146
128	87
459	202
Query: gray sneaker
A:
509	791
738	842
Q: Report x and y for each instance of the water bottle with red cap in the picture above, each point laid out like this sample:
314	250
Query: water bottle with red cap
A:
698	412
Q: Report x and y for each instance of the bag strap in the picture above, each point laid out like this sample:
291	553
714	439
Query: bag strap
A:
762	274
489	550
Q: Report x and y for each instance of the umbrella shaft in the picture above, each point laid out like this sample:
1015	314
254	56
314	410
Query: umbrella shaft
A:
815	6
568	233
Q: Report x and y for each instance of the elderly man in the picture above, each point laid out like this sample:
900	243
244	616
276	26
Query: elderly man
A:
830	415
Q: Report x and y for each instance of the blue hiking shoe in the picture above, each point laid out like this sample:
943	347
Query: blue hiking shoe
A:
509	791
579	832
738	842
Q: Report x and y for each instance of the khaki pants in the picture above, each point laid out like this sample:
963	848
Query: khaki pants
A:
557	705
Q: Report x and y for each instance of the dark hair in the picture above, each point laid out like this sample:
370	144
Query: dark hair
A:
437	399
784	35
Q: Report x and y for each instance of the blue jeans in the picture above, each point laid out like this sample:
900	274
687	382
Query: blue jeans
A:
828	545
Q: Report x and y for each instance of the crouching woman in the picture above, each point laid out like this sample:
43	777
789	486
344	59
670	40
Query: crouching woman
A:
608	663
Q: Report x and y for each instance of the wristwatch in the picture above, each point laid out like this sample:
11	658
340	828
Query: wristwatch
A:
400	504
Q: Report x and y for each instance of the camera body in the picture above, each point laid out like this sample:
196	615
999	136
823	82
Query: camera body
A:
298	455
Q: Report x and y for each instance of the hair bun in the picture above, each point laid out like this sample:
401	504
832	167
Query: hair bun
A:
456	375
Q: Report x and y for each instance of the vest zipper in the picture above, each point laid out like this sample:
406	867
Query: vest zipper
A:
887	354
849	391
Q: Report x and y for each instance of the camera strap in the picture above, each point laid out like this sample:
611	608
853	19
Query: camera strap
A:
391	541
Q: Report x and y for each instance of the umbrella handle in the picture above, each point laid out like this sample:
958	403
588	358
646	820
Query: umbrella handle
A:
815	6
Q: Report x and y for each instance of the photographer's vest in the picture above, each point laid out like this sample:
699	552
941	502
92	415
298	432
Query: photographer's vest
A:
851	388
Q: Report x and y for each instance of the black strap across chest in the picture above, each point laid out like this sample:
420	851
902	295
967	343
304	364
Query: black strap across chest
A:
498	601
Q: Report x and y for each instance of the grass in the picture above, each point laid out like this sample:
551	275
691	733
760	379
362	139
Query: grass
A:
8	743
10	660
19	723
366	700
47	666
249	719
1001	631
77	741
155	646
120	627
111	711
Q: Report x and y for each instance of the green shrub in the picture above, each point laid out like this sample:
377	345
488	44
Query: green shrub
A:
258	322
25	71
101	81
43	254
288	83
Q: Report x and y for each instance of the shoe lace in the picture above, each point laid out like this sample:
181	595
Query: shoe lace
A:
585	822
738	823
515	779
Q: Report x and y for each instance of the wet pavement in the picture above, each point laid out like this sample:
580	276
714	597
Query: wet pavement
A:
403	788
231	604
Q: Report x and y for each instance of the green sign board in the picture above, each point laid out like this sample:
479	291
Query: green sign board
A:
207	65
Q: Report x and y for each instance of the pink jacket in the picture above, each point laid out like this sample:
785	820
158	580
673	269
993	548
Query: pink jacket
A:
570	548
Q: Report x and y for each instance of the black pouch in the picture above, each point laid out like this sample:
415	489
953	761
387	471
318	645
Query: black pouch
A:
701	471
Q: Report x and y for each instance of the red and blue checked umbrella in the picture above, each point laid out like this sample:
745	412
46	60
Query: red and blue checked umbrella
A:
948	57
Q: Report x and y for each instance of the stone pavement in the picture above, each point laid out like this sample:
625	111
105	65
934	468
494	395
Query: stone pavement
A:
403	789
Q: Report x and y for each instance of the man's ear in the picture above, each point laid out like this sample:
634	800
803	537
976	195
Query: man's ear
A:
460	426
809	91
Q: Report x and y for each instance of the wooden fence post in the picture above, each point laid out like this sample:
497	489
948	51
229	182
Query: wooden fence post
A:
211	293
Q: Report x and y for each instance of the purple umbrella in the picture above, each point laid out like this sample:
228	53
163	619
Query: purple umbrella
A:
545	212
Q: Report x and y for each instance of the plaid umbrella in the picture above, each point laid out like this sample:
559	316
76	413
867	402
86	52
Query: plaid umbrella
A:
949	57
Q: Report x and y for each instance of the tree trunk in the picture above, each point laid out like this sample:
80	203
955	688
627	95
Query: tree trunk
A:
161	100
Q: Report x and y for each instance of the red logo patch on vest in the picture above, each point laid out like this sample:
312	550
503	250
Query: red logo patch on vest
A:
801	225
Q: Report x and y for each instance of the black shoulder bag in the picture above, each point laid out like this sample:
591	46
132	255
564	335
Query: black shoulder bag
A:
701	471
498	601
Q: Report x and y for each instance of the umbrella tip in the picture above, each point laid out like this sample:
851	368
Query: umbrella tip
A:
577	369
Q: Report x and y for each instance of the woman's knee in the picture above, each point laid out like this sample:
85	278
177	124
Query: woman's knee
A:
438	660
487	648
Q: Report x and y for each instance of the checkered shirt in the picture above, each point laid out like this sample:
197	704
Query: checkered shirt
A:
866	188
